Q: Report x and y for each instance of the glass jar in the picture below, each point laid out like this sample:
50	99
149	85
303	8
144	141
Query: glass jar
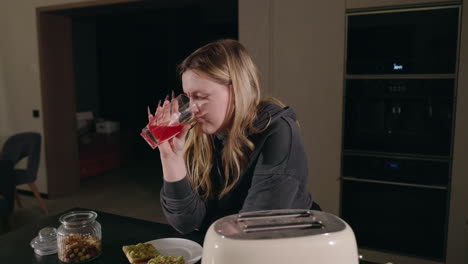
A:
79	237
46	241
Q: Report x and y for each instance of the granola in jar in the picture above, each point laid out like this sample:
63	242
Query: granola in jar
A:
79	237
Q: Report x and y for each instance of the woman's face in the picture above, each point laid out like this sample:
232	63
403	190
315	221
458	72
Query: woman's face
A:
210	102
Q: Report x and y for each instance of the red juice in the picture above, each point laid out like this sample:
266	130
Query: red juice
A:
162	133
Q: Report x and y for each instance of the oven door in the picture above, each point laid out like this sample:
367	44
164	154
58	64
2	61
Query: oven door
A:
405	42
396	218
410	116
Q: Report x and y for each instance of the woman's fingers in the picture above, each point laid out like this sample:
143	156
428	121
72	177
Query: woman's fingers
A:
178	141
175	145
150	116
174	111
183	132
165	113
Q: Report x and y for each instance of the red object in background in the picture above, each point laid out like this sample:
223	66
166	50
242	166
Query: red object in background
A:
101	153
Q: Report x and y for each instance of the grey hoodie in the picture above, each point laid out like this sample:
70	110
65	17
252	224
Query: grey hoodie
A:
275	177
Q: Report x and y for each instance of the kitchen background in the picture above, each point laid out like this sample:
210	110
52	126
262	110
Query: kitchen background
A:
299	46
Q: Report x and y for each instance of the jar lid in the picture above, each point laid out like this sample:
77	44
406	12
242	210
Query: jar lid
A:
46	241
77	218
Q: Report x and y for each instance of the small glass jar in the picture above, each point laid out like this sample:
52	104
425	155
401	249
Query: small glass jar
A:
46	241
79	237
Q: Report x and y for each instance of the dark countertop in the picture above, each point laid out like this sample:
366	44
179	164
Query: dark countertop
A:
117	231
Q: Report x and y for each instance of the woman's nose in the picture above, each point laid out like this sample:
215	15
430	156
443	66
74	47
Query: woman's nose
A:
194	108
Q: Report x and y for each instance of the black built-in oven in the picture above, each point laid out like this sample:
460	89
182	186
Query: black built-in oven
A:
400	96
412	116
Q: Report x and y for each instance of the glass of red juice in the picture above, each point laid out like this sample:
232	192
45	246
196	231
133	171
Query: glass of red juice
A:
170	117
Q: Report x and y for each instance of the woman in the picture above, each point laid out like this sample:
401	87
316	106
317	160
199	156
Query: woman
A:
244	154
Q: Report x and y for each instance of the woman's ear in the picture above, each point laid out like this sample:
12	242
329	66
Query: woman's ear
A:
232	97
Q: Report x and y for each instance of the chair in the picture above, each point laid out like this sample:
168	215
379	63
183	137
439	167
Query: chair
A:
7	194
17	147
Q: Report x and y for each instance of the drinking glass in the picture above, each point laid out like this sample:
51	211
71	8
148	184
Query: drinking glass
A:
170	117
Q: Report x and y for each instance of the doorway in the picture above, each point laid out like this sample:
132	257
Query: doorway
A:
115	60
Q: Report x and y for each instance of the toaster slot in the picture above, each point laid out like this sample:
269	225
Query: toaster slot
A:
272	226
278	224
249	216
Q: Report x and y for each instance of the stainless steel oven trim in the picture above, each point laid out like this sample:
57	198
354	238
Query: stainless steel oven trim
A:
381	10
395	183
361	153
400	76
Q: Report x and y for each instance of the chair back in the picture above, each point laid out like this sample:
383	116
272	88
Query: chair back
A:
21	145
7	185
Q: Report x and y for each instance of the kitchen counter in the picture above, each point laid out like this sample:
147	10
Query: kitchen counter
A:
117	231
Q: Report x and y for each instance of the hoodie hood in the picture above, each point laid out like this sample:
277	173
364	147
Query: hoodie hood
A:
269	112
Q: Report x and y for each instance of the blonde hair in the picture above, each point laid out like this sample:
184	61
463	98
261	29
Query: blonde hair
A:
226	62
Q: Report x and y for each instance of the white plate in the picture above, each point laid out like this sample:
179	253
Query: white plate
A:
190	250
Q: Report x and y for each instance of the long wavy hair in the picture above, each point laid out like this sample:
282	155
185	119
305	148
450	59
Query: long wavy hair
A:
228	63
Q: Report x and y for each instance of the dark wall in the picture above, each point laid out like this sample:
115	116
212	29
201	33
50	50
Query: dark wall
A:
85	65
137	56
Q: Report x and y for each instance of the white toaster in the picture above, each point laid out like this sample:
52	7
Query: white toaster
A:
280	236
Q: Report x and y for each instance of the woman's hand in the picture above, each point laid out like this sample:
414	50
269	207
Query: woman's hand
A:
173	148
172	156
171	151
